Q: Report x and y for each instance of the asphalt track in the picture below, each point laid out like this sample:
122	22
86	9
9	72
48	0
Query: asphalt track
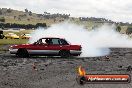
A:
56	72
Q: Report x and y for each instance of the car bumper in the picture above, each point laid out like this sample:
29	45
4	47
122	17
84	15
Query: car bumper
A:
13	51
75	52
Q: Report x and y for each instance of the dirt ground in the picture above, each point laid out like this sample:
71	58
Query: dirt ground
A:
55	72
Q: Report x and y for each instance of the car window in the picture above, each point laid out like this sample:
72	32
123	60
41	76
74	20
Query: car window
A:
55	41
63	42
27	34
43	41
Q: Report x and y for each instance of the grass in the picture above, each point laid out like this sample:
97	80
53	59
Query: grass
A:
13	41
19	32
4	42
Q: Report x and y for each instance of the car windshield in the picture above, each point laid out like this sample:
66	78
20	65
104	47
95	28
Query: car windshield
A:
27	34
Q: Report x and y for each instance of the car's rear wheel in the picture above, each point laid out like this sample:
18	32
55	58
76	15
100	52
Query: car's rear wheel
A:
22	53
65	53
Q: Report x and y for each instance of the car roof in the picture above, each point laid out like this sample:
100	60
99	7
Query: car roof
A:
11	33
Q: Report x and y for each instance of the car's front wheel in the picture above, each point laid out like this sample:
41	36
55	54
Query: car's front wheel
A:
65	53
22	53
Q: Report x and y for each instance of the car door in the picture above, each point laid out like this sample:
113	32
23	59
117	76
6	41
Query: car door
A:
40	48
54	47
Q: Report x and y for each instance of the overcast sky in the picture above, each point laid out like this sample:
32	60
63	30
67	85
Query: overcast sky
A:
116	10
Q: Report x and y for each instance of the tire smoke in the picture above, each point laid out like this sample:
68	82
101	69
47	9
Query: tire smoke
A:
94	43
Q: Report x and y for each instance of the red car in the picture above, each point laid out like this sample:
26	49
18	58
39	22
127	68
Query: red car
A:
46	47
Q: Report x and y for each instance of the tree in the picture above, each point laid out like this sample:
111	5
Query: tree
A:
118	29
129	30
9	10
2	19
41	25
30	13
19	18
26	10
0	12
28	19
14	17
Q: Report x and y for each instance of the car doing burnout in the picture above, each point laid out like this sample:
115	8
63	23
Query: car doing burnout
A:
46	47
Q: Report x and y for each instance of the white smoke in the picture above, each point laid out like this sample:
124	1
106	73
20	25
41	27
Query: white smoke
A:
94	43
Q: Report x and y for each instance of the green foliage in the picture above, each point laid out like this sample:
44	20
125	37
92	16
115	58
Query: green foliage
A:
9	10
26	10
28	26
30	13
13	41
129	30
2	19
118	29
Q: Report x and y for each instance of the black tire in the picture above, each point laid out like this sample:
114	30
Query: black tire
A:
22	53
64	53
